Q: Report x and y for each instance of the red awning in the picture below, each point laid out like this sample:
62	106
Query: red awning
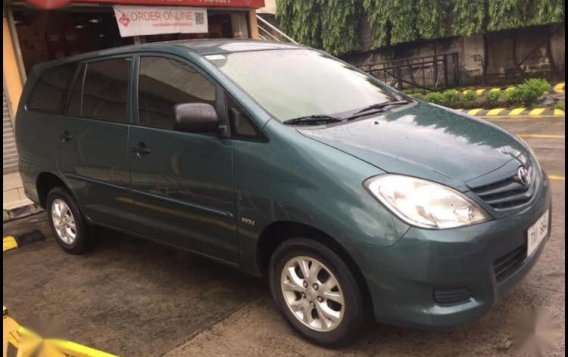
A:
247	4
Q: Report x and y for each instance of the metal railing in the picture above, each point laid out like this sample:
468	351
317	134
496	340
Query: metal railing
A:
269	32
426	73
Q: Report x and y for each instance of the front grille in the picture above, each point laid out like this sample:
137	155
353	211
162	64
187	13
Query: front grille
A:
507	264
451	296
506	194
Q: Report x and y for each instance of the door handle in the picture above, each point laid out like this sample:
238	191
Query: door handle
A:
141	149
66	137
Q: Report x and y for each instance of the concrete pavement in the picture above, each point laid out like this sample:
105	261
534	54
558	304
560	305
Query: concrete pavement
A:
135	298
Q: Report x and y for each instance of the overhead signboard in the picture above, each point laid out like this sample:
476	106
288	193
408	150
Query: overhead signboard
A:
155	20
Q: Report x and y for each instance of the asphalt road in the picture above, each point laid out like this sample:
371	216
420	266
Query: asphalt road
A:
135	298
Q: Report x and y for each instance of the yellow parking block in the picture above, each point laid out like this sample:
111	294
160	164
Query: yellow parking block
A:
480	91
495	111
537	111
559	88
557	178
510	89
474	111
559	113
517	111
8	243
495	90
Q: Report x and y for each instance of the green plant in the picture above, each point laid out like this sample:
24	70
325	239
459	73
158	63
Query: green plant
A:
435	97
333	24
469	97
513	97
559	106
527	93
452	98
538	84
418	96
492	98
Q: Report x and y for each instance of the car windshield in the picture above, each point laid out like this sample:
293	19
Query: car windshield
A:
300	82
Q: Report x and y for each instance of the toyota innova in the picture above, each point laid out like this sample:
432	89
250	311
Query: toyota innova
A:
355	200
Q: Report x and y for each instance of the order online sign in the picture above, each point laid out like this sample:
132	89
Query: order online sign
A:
147	20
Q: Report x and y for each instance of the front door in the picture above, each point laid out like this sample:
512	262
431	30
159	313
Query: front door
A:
182	183
93	136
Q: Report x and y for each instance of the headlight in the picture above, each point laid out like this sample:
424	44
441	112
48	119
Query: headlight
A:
423	203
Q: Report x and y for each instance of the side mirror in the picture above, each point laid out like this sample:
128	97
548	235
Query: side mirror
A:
196	118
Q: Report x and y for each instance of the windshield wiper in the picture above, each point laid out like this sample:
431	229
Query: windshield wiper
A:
383	105
313	120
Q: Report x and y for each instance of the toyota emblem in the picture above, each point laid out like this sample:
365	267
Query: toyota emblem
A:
524	175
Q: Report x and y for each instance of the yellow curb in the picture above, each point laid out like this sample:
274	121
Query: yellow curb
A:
510	89
559	112
521	117
556	178
495	111
474	111
517	111
9	243
543	136
495	90
537	111
480	91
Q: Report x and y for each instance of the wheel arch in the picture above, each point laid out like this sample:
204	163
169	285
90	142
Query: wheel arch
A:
45	182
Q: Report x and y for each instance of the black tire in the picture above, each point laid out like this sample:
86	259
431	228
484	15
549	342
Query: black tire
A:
353	317
85	237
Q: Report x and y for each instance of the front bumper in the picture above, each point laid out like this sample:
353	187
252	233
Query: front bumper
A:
402	278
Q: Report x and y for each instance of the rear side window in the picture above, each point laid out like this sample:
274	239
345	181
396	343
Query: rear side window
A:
105	90
49	90
163	83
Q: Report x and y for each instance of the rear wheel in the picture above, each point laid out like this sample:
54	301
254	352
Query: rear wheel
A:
316	292
71	231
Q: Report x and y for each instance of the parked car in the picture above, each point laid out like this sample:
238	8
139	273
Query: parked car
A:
358	202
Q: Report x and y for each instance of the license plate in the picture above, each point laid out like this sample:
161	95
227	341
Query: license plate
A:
537	233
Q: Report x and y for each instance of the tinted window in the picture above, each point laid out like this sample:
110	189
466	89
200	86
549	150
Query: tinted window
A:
164	83
50	89
241	124
105	90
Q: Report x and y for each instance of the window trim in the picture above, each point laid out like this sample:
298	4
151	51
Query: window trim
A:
84	64
220	109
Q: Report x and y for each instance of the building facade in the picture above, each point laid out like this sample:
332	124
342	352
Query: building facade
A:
33	35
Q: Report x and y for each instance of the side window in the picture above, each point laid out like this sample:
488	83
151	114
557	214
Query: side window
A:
105	90
49	90
241	124
162	84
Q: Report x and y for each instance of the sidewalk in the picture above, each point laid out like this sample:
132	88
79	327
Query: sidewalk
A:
15	204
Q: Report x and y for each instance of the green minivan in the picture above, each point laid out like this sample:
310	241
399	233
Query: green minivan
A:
357	202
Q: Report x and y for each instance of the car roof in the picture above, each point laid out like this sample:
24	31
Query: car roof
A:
201	47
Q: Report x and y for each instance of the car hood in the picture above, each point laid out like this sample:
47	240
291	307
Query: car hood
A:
425	141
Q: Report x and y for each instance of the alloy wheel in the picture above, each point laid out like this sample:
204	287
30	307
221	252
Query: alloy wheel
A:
312	293
63	221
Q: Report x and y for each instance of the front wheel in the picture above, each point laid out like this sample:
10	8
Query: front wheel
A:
316	292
